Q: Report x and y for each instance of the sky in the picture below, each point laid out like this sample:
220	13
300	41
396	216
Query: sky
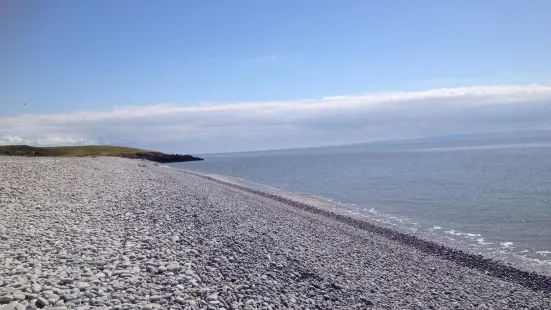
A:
220	76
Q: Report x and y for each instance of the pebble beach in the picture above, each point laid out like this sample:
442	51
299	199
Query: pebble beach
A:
114	233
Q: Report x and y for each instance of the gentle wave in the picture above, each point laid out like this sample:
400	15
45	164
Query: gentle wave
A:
507	245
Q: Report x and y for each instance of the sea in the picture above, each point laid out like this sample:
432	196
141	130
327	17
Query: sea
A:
488	194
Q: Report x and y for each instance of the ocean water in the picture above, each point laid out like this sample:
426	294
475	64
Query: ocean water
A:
490	194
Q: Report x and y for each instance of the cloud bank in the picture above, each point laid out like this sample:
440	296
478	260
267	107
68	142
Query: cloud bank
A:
221	127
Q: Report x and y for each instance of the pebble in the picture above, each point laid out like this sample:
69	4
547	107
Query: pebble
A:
68	297
173	267
36	288
10	306
41	301
23	307
83	285
18	296
118	285
188	272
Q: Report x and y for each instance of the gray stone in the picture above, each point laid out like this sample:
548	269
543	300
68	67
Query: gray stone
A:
10	306
173	267
68	297
188	272
82	285
155	298
36	288
41	301
53	297
18	296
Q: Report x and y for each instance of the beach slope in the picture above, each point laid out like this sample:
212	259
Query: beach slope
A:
108	233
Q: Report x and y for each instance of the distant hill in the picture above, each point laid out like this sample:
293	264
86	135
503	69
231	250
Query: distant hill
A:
94	150
489	135
499	135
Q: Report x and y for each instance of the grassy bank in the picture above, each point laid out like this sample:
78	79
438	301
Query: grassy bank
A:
93	150
76	151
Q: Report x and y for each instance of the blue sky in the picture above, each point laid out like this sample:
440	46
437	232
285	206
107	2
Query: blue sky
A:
64	57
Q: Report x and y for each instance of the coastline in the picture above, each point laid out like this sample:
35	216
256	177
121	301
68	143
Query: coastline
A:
374	215
485	265
114	234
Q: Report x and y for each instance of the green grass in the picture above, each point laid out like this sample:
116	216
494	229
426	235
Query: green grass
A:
76	151
94	150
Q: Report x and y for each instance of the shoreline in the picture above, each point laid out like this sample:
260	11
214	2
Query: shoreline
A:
489	266
113	233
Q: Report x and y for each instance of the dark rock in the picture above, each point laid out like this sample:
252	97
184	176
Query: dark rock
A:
161	157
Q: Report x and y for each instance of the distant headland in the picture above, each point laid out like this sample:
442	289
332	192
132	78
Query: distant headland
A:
94	150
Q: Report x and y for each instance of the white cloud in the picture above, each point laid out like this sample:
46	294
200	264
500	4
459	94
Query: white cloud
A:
279	124
44	141
62	141
267	58
8	139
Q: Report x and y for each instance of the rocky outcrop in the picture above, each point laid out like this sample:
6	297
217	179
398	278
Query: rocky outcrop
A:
162	157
